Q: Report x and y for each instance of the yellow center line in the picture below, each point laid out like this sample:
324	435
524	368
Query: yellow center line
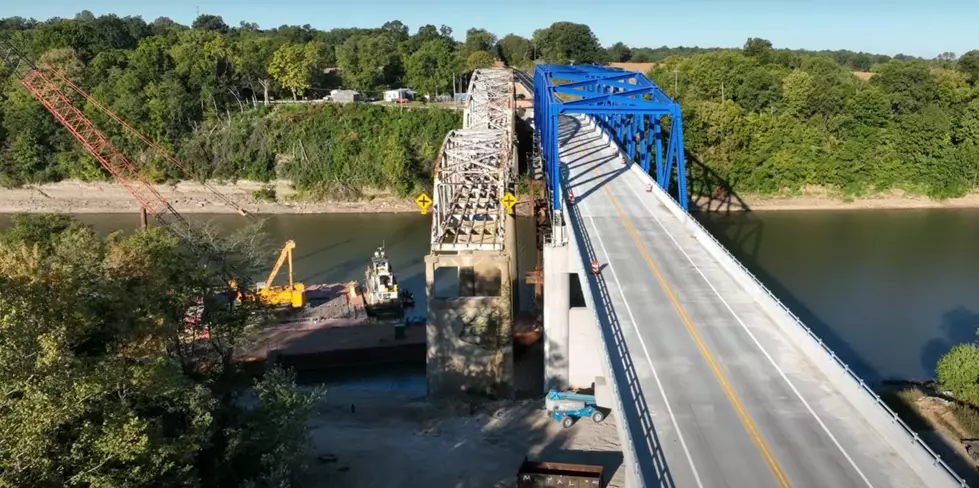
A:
749	425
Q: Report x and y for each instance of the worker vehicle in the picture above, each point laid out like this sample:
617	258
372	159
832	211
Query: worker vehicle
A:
292	295
567	407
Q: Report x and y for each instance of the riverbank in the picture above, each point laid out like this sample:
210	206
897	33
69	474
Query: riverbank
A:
819	199
79	197
187	197
190	197
948	427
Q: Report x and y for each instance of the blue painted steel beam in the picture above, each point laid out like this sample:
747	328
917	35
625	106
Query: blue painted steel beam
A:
626	105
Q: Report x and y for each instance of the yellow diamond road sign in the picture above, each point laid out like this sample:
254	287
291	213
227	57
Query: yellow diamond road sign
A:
423	201
509	201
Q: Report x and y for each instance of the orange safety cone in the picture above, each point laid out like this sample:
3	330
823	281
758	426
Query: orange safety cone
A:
649	188
571	197
594	267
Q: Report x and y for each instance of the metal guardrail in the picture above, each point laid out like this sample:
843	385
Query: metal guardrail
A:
915	438
525	79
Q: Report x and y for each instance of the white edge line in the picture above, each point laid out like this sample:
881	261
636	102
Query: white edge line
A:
753	338
649	359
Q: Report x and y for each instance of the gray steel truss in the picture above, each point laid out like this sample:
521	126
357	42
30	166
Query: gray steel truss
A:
475	169
490	102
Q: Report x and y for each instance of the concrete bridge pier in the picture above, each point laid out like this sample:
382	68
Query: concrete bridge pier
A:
572	357
469	330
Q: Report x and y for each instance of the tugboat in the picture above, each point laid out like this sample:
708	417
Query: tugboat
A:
381	293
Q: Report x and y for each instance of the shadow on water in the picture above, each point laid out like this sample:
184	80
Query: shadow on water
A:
958	326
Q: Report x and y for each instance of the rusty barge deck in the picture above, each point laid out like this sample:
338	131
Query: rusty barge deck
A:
335	330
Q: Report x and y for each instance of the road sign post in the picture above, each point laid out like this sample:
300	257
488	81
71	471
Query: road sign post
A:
423	201
509	201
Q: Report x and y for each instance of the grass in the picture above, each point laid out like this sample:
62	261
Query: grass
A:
905	403
265	193
968	418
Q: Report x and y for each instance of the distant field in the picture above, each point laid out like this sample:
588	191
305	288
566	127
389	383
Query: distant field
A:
637	67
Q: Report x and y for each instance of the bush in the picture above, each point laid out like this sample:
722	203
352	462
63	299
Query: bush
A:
265	193
958	372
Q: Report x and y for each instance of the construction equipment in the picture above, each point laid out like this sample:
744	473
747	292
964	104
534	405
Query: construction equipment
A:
293	295
567	407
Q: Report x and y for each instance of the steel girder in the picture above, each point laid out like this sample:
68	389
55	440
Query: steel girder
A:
475	169
626	105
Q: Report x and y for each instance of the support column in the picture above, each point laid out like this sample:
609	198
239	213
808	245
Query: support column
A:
470	335
557	303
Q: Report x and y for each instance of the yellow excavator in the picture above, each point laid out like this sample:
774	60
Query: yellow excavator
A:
293	295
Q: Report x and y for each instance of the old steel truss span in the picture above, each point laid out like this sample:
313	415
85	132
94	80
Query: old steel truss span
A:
489	104
475	169
472	176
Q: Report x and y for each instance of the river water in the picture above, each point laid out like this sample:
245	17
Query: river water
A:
888	290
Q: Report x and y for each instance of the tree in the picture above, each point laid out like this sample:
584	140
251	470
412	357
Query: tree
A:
514	50
95	390
567	42
969	64
758	48
251	57
619	53
397	30
958	372
431	69
367	62
910	85
479	40
64	60
210	23
479	60
292	65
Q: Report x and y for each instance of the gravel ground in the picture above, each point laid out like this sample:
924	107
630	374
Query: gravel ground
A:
389	439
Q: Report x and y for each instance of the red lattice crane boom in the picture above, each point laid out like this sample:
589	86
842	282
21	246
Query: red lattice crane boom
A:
42	82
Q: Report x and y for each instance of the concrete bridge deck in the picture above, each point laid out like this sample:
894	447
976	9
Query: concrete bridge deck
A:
737	395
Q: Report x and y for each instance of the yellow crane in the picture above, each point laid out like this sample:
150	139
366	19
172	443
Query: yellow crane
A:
293	295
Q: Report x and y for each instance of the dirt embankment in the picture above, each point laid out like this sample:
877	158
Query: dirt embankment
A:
816	199
185	197
190	197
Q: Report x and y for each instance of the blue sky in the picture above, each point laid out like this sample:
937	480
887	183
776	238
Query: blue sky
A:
921	28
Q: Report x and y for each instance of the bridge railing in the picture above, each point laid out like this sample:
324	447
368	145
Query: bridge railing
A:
674	208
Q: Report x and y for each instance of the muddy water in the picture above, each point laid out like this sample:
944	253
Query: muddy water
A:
889	290
336	247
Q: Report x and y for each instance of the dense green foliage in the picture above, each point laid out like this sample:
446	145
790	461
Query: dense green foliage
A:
758	119
765	120
958	372
98	386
